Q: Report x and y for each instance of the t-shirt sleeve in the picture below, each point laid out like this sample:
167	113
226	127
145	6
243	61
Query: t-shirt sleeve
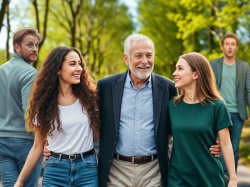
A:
222	116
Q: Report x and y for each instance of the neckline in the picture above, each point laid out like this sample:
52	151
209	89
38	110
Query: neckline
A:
65	106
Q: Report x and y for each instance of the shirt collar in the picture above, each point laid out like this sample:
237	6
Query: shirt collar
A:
129	83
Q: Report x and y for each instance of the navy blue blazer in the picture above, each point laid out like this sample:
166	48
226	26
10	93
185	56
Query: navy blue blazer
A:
110	92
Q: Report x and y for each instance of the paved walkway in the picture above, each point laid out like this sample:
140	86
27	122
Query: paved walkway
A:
243	176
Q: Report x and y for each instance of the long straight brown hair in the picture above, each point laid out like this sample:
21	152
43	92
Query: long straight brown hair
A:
206	85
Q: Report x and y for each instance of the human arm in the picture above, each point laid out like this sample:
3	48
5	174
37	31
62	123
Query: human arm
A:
27	82
216	149
228	155
32	159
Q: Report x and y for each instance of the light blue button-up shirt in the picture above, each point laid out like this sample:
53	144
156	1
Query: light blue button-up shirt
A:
136	128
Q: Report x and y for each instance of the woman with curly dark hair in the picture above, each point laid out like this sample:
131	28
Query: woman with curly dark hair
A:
63	109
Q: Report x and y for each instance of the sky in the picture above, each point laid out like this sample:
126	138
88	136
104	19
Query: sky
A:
132	4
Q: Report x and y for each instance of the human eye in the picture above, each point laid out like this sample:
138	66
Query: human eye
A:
179	68
72	63
138	56
149	55
29	45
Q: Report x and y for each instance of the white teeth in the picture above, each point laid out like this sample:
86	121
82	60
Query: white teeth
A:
76	76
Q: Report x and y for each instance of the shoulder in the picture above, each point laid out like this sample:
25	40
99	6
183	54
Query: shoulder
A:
216	61
242	63
111	78
162	79
22	65
18	68
167	83
217	103
171	103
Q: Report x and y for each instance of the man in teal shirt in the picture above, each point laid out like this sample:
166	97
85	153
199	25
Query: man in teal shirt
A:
16	79
233	80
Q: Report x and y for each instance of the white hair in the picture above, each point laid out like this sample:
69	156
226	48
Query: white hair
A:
136	37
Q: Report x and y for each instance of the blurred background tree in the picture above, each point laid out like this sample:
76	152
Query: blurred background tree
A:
98	28
181	26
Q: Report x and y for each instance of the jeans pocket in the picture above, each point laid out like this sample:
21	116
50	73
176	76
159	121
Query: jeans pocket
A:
52	162
91	161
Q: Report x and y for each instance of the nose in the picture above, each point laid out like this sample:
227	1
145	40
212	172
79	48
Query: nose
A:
79	67
144	59
174	73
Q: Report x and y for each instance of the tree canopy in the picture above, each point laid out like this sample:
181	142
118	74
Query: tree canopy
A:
98	28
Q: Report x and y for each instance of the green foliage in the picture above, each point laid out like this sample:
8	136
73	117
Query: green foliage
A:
244	144
181	26
156	24
2	56
97	30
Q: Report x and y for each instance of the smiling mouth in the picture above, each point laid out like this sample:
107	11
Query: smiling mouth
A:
77	76
143	67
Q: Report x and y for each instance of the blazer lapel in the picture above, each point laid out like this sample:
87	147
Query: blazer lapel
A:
238	73
157	91
117	92
219	71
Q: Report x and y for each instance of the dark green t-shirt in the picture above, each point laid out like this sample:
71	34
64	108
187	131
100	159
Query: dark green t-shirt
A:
195	128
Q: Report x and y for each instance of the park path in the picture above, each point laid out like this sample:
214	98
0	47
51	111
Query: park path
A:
243	176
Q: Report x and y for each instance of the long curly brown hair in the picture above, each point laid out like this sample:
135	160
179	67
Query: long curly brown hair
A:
43	110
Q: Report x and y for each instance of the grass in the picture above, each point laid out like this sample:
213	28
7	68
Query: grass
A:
245	144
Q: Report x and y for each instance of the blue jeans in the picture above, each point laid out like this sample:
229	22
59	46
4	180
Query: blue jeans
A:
13	153
235	132
75	173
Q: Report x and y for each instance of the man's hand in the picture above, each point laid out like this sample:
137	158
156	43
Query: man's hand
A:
215	149
46	152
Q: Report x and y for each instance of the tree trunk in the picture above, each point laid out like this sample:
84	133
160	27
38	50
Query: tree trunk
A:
3	10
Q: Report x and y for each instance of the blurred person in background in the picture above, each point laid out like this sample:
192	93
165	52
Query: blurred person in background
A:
233	80
16	79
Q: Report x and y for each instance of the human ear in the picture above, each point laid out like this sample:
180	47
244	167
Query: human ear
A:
195	75
17	47
125	59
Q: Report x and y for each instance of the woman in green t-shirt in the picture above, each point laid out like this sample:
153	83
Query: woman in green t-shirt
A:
198	115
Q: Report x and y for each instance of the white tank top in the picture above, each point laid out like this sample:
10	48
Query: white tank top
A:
77	135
